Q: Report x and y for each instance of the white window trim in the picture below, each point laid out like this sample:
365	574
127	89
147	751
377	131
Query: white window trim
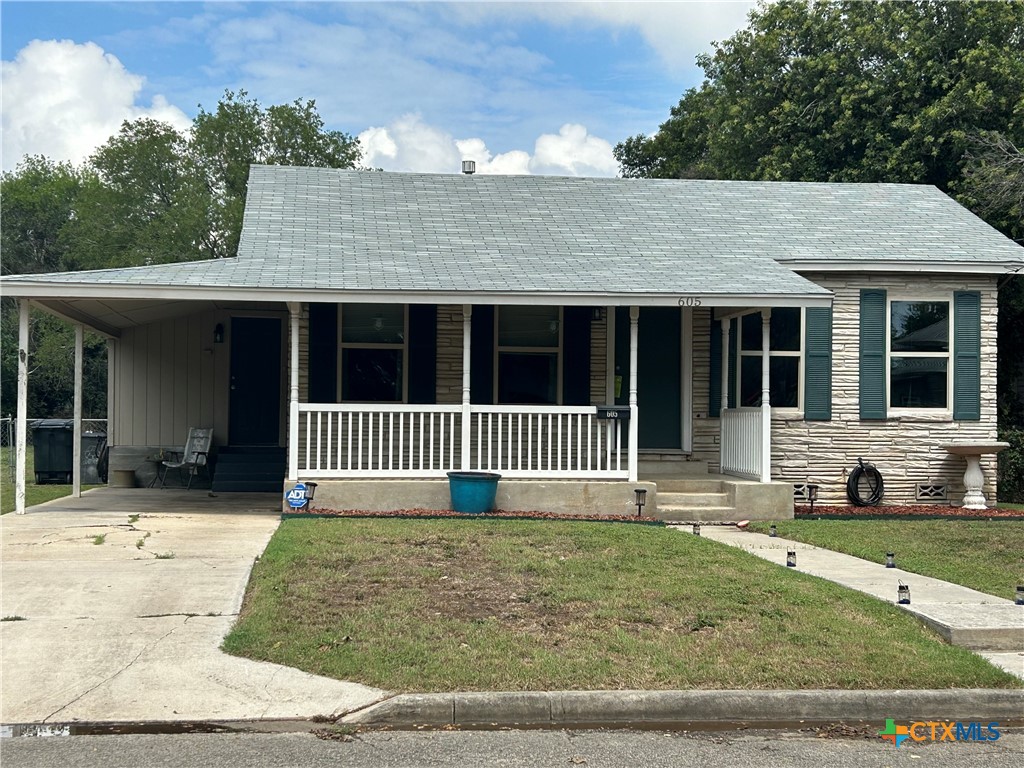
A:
540	350
925	296
404	346
740	353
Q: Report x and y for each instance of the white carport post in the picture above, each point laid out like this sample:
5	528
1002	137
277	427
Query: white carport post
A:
467	329
634	411
766	405
76	466
294	310
22	428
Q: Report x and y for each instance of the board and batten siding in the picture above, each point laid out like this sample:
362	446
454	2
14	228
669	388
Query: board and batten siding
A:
907	449
170	376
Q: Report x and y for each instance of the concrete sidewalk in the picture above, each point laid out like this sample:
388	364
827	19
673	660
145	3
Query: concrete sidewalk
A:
988	625
122	620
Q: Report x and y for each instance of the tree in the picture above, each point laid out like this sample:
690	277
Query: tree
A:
239	132
845	91
38	200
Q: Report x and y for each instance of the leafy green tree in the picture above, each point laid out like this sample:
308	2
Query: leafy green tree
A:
37	201
848	91
239	132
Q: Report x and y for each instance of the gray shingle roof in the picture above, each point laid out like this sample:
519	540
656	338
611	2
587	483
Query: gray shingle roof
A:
315	228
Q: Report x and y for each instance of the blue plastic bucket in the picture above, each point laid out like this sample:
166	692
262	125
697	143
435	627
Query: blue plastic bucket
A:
473	493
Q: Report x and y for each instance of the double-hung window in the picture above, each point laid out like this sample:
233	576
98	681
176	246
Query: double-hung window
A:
919	354
785	344
373	353
528	349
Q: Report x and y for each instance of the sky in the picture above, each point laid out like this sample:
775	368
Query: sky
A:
519	87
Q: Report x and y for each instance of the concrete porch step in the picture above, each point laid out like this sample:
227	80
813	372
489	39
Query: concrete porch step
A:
669	465
696	514
706	499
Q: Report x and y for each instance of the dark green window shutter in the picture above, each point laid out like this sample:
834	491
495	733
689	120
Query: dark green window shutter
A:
818	364
733	358
323	353
422	353
715	368
967	355
481	365
872	354
576	361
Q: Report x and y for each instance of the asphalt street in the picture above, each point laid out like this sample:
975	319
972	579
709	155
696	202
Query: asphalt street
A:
425	749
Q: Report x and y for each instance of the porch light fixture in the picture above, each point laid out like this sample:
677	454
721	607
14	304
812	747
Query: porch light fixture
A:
890	559
218	333
1020	595
596	313
812	495
696	529
641	499
791	558
553	326
903	594
378	323
773	530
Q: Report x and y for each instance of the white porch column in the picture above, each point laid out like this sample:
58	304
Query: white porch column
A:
21	432
467	329
634	411
766	405
725	365
76	466
294	311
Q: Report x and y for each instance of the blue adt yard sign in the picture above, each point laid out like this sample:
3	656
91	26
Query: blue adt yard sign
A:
296	497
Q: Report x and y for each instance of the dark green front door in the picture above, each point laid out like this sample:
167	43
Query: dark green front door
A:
659	374
254	405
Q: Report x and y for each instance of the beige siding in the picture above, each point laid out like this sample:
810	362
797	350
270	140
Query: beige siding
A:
906	449
449	354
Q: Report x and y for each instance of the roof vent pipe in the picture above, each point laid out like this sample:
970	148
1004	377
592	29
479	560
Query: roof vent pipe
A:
469	167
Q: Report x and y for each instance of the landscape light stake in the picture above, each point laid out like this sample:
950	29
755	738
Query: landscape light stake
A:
890	559
1020	595
696	529
812	495
773	530
641	499
791	558
310	493
903	594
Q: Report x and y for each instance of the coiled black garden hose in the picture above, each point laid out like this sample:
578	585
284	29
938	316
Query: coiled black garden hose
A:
864	488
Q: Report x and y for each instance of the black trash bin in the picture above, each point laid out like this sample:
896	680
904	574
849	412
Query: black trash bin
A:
93	444
53	441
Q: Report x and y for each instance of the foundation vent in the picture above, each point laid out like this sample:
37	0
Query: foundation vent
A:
938	492
800	493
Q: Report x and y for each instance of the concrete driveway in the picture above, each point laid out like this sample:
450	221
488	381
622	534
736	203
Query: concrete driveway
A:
122	619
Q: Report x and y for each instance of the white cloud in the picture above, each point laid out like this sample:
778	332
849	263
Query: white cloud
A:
675	30
63	100
410	144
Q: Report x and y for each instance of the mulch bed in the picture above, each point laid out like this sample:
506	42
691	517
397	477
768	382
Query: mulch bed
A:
433	514
889	512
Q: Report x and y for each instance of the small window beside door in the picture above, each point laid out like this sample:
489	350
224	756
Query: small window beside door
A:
373	353
529	355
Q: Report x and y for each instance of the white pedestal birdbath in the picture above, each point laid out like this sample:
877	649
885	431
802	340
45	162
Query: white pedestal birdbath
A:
974	478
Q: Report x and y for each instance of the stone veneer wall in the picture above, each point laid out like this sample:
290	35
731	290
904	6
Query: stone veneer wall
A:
906	449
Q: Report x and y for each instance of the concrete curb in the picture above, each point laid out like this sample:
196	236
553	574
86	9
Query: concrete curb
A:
623	708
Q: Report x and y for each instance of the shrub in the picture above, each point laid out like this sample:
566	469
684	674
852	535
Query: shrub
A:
1011	467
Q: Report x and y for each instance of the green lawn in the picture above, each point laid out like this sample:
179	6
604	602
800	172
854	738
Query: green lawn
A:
34	494
981	554
440	605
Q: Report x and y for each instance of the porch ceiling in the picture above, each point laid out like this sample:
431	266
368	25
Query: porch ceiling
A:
110	316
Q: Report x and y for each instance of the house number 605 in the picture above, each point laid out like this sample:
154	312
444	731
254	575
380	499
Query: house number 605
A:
689	301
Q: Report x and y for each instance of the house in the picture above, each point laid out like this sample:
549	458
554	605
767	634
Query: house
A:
722	344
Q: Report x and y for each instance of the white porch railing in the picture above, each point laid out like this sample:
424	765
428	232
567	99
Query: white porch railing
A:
558	442
378	440
741	443
362	440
